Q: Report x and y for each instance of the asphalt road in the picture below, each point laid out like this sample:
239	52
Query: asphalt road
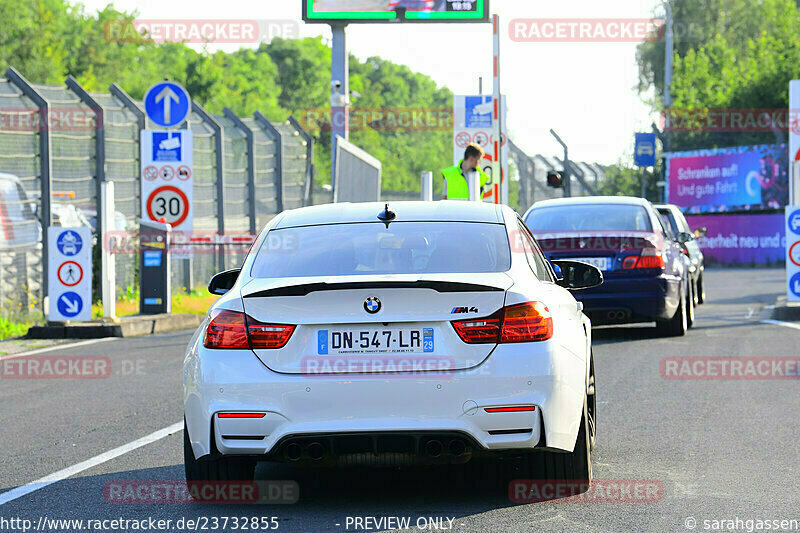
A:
720	449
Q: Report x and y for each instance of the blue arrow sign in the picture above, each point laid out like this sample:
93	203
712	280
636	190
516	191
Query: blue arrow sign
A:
644	150
167	104
70	304
794	284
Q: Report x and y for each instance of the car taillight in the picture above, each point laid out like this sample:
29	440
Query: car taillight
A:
268	335
226	330
527	322
236	330
649	258
480	330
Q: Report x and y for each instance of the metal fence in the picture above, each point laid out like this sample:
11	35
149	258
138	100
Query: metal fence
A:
58	144
585	178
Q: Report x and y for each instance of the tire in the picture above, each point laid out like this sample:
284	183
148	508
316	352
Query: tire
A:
221	468
574	467
675	326
701	290
591	404
690	304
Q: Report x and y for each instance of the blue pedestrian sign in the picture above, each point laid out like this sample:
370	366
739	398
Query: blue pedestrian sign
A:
69	243
644	150
70	304
167	104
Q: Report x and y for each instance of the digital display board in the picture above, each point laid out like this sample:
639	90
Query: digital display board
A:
386	11
728	179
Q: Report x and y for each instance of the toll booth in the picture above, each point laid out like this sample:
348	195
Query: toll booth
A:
154	268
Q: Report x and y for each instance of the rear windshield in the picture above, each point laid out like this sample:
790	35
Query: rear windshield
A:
371	248
589	217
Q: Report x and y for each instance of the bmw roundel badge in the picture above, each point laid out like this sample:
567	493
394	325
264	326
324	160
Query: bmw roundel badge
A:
372	305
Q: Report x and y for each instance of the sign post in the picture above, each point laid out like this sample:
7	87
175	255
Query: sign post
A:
794	142
793	253
644	155
473	122
70	273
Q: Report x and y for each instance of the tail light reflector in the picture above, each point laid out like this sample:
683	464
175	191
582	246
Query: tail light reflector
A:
527	322
236	330
241	415
510	409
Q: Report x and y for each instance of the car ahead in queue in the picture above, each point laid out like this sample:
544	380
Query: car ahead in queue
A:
646	273
376	334
676	225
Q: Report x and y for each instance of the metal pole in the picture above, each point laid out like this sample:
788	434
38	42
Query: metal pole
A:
427	186
567	184
667	76
141	120
219	167
251	166
309	140
644	182
668	57
99	170
501	193
45	170
267	125
340	94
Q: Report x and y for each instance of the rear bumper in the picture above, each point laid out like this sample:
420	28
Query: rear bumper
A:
629	300
543	375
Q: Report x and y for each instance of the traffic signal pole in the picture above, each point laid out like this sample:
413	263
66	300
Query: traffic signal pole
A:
567	184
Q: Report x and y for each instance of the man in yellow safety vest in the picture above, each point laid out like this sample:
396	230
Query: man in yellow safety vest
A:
456	178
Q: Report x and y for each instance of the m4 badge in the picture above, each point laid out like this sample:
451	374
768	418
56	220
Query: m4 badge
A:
464	310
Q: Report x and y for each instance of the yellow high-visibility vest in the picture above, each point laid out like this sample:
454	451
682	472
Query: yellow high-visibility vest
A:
457	187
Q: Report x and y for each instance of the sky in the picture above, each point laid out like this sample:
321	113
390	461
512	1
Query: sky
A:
585	91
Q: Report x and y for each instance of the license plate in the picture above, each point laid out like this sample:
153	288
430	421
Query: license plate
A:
603	263
373	340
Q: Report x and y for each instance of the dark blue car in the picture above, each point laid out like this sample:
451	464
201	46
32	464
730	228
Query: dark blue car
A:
646	271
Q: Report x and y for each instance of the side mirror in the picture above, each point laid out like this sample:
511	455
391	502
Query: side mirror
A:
700	232
222	282
683	237
576	275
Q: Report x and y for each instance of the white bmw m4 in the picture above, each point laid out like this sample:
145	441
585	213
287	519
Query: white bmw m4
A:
408	333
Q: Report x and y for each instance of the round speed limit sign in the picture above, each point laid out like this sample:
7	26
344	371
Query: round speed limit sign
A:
169	203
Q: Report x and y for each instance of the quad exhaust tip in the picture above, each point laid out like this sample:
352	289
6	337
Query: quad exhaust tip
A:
456	447
316	451
293	451
434	448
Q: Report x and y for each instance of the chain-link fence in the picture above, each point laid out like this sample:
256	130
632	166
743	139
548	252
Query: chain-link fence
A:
58	144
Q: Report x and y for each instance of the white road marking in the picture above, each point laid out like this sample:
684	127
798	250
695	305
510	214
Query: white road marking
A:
58	347
24	490
784	324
